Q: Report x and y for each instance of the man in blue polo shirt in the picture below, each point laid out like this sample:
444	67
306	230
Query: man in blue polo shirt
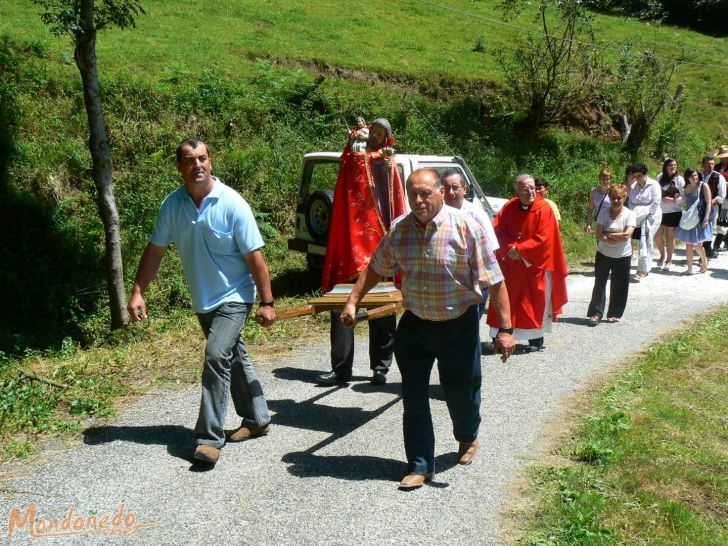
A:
219	246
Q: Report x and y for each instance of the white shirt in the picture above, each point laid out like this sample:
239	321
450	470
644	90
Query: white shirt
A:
649	195
721	185
668	207
625	219
481	217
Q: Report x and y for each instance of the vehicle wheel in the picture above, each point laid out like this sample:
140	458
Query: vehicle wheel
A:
318	214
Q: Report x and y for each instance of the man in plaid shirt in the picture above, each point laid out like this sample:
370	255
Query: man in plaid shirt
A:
445	262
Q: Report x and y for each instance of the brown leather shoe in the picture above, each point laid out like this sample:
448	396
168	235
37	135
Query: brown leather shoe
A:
207	453
413	481
247	433
467	451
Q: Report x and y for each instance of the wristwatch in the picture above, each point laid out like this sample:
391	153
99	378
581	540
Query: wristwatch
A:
270	303
505	330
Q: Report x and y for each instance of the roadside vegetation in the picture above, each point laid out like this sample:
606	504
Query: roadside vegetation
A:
58	392
263	83
649	462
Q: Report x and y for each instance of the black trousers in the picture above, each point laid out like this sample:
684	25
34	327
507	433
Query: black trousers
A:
381	344
455	344
618	268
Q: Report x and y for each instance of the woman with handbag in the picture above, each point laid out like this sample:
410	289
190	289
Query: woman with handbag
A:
694	228
614	251
671	184
598	198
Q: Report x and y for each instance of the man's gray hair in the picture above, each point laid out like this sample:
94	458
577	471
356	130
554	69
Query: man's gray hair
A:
521	177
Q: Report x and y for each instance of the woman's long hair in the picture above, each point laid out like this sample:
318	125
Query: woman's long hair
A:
666	179
689	172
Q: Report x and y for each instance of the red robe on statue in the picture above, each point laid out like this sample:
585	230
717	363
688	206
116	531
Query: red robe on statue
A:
535	234
357	223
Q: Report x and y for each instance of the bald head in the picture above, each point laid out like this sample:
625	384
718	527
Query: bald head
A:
423	194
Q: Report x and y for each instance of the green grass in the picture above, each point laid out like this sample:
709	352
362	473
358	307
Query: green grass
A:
243	76
649	465
163	351
410	38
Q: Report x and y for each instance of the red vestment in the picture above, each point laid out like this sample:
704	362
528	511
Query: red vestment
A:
357	223
535	234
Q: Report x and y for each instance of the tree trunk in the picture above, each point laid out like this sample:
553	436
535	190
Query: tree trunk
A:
637	135
99	146
531	125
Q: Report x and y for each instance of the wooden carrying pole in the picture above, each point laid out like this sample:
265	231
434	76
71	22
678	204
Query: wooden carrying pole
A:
302	311
377	312
370	314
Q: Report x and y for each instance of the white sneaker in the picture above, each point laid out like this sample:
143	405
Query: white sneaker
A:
666	266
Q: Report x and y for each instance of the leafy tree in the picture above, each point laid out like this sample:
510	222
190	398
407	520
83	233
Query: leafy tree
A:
554	73
642	92
80	20
702	15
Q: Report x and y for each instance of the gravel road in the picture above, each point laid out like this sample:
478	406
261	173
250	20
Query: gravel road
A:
328	471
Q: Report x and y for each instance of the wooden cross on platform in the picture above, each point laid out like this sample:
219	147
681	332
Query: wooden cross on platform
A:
382	300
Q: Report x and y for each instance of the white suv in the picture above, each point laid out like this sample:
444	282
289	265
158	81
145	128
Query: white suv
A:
316	196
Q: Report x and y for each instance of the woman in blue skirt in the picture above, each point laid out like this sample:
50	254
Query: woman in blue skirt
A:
695	237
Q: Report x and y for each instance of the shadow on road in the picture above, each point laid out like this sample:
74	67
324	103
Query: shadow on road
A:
305	464
358	383
178	439
579	321
339	421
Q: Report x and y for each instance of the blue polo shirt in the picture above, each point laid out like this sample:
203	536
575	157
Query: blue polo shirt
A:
211	241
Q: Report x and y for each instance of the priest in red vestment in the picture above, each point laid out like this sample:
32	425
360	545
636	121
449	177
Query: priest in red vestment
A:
368	196
532	259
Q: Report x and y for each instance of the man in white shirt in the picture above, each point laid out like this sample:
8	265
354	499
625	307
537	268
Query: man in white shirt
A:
454	188
717	186
722	228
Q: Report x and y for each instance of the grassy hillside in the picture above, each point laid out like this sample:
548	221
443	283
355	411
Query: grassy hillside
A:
246	77
416	38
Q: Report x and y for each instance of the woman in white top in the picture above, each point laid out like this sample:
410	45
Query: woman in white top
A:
672	185
644	199
614	253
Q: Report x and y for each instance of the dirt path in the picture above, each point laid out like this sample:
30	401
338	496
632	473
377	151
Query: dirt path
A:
327	472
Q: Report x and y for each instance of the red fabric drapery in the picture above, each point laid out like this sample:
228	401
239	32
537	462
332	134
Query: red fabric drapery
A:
535	233
357	224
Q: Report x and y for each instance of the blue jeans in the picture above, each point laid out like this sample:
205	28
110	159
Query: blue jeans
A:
227	368
456	346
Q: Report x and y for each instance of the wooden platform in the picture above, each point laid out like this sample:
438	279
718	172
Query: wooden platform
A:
382	294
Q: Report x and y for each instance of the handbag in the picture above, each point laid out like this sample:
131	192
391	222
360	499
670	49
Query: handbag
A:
691	217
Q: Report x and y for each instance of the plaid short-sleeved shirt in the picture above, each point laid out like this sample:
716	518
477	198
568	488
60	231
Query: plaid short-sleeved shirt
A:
443	264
